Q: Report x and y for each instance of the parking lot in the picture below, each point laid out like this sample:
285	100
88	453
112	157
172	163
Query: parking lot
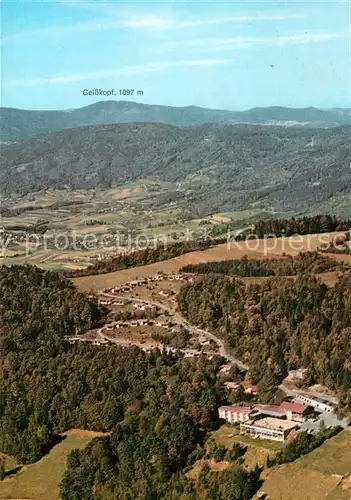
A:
328	419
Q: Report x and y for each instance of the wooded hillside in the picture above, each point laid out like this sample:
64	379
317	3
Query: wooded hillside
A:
279	325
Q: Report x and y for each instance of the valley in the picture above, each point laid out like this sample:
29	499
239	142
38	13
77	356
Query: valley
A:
72	229
273	169
175	259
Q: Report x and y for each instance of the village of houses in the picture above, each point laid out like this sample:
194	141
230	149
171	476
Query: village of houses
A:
143	317
134	319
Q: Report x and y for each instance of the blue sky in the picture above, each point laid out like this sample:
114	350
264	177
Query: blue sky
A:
230	55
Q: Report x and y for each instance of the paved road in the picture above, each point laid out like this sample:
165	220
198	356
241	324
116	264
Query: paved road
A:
199	331
193	329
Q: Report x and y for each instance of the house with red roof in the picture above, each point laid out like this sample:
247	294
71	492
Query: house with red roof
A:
296	412
250	388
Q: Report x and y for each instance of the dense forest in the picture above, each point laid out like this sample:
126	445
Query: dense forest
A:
279	325
39	308
136	463
156	429
268	226
308	262
301	225
157	410
20	125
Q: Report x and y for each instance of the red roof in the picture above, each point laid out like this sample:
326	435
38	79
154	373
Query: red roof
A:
237	409
271	408
251	387
294	407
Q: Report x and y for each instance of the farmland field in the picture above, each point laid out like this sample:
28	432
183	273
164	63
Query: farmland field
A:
138	209
316	476
288	482
40	481
258	249
333	457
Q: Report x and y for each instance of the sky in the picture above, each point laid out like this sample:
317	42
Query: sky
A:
227	55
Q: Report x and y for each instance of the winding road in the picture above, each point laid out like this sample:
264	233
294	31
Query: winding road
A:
181	321
177	318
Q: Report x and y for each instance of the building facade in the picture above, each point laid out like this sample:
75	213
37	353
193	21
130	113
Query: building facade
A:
318	403
274	429
235	414
297	412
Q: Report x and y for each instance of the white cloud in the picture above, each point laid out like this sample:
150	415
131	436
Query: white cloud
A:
144	22
232	42
89	26
171	23
126	71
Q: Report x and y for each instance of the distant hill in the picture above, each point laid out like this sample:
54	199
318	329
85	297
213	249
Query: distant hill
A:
20	125
217	166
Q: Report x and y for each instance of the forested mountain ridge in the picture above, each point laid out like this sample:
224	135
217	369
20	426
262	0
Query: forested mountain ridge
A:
20	124
288	169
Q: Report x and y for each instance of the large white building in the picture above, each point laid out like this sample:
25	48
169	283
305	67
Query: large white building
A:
234	414
318	403
271	428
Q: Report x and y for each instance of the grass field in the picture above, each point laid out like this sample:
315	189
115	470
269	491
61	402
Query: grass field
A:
333	457
257	450
40	481
215	466
239	215
316	476
258	249
288	482
227	436
341	492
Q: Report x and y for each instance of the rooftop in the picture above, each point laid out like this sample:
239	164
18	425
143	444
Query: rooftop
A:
237	409
270	408
319	399
273	423
250	386
294	407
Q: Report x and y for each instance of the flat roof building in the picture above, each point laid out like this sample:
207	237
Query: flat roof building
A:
271	428
317	402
